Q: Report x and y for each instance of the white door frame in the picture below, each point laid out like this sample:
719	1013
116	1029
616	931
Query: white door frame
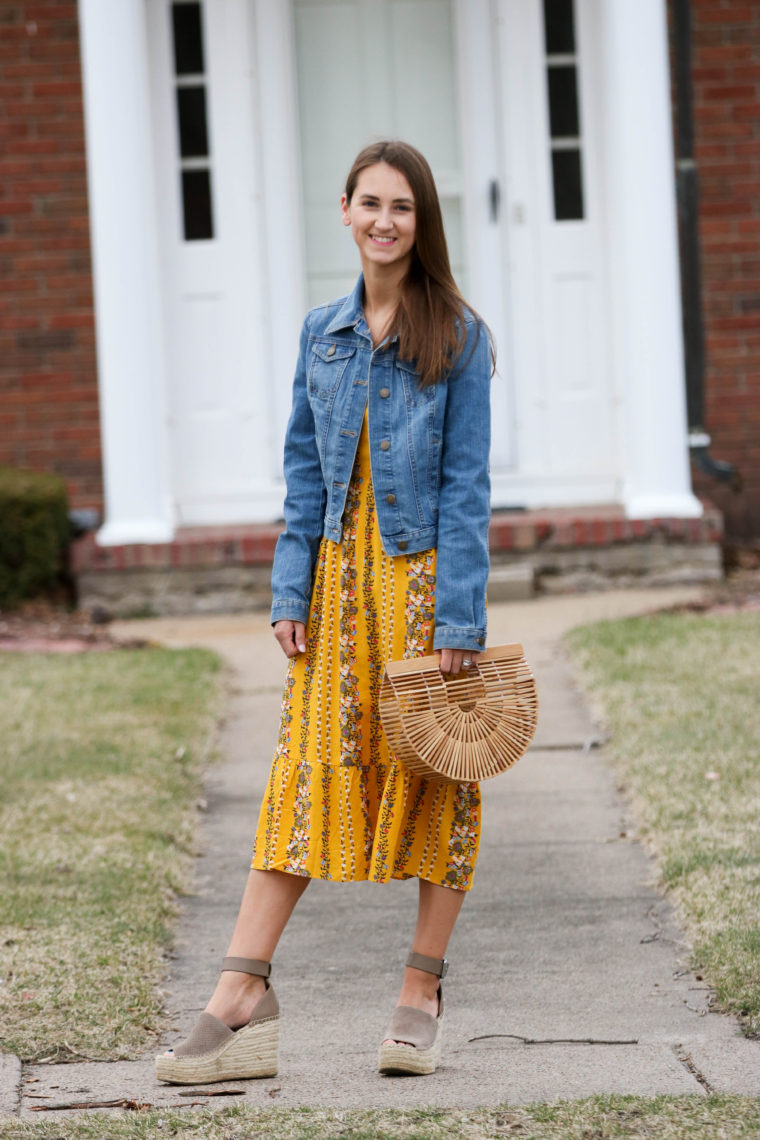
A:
276	96
485	228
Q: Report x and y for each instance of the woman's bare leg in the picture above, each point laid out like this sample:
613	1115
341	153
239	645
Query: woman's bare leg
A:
437	913
268	902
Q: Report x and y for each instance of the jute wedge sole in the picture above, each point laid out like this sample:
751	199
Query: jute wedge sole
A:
251	1052
407	1060
412	1045
214	1052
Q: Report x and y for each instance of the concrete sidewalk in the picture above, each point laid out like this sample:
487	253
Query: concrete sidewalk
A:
568	974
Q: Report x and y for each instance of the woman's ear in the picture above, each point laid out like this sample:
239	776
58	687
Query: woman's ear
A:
345	210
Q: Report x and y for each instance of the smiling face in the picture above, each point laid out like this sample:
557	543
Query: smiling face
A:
382	218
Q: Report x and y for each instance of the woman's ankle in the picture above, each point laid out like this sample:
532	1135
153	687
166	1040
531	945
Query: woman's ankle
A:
235	996
418	988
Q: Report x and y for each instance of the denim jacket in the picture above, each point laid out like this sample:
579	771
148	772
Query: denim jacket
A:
429	457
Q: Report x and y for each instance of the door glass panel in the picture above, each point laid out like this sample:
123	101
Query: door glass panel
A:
566	182
370	69
188	39
564	118
191	84
193	130
559	27
563	102
196	205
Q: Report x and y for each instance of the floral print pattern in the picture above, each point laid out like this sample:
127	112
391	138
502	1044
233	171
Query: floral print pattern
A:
338	805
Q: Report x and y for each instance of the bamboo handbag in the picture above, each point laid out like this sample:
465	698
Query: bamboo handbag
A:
465	728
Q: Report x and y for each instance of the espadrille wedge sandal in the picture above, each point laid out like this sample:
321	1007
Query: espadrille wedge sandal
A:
413	1042
214	1052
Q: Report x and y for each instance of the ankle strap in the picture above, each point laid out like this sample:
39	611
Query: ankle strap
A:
248	966
437	966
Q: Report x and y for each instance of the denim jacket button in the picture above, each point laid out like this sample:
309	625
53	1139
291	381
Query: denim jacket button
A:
390	498
402	545
331	350
385	393
384	444
481	641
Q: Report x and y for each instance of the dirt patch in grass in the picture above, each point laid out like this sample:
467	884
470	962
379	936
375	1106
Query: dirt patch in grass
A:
100	767
598	1118
679	695
43	626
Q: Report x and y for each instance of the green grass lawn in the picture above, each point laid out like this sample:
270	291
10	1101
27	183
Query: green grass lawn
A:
680	695
100	769
597	1118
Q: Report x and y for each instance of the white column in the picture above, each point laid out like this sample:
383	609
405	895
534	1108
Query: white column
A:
643	261
123	226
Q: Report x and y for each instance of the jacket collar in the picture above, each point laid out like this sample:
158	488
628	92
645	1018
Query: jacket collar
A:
351	312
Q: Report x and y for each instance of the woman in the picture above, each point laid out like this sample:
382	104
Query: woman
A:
384	555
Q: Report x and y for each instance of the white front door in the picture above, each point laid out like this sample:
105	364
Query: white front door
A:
260	107
502	96
550	64
422	71
214	311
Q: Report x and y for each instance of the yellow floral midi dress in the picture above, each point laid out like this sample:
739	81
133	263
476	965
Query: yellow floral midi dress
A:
338	805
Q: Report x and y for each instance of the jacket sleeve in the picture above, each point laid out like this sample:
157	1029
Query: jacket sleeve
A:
464	502
296	552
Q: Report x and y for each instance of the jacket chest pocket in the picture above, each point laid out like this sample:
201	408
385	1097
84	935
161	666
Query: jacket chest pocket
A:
414	396
326	367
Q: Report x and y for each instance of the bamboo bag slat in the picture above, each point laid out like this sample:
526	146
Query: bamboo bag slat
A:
465	728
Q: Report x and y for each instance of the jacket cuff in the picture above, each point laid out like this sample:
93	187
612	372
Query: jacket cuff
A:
289	609
453	637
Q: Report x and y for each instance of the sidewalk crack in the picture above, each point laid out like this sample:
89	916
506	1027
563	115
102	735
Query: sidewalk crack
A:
687	1061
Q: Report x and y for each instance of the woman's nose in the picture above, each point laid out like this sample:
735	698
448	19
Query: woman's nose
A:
384	220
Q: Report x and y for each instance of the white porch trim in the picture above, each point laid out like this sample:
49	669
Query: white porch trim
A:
284	271
123	227
645	304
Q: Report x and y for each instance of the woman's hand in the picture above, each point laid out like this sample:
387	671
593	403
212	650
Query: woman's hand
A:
452	660
291	636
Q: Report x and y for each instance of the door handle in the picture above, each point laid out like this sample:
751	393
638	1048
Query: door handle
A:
494	199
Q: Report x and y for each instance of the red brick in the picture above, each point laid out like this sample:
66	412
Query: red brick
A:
746	112
710	172
731	94
73	320
51	90
725	53
50	13
57	52
747	149
700	75
738	207
726	13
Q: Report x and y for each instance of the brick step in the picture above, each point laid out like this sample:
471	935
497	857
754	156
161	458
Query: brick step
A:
561	528
227	568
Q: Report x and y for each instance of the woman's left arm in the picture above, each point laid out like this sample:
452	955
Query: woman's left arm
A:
464	501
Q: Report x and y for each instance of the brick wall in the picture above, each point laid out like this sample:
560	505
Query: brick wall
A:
726	92
48	382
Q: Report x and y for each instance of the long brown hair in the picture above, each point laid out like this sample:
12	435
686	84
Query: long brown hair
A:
430	316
